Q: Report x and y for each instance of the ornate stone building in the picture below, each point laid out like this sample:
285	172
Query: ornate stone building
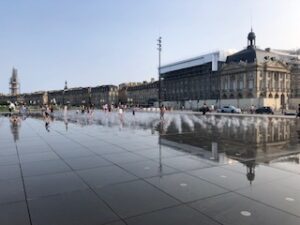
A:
255	77
251	76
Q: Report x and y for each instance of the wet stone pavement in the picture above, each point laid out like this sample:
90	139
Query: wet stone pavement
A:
139	170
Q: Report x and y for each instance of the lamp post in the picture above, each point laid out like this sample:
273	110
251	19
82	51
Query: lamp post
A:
159	75
64	97
90	95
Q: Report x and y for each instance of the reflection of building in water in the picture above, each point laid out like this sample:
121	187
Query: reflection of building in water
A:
14	127
289	158
265	131
238	135
250	144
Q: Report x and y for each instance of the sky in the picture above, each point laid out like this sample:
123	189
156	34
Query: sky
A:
98	42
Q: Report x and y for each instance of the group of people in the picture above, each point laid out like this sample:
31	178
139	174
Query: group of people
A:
108	108
88	109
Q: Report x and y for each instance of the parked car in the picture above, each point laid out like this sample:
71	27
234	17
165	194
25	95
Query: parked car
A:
229	109
264	110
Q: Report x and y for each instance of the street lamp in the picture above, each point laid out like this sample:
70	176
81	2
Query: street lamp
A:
90	95
159	74
64	96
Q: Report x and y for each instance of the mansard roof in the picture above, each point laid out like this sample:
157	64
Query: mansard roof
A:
251	55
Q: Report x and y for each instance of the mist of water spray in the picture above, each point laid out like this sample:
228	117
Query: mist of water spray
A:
179	120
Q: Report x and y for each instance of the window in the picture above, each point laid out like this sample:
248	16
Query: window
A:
225	84
280	84
234	84
241	83
262	84
251	83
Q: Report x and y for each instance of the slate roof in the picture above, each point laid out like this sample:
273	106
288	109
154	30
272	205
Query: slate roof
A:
251	55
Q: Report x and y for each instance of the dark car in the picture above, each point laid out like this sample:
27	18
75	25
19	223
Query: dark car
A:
264	110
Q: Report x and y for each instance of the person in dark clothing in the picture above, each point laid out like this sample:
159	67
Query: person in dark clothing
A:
204	109
51	109
298	112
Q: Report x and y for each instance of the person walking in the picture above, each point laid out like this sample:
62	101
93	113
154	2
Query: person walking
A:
252	109
121	113
205	109
298	111
162	112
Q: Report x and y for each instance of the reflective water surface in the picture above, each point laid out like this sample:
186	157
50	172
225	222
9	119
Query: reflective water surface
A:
106	168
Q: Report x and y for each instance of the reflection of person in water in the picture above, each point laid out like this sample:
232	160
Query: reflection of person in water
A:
121	114
47	120
162	129
66	122
162	112
23	110
250	170
15	123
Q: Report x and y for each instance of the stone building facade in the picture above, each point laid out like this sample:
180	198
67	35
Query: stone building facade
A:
123	91
143	95
36	98
106	94
257	77
98	96
56	97
295	85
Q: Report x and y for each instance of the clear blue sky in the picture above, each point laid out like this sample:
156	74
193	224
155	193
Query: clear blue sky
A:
95	42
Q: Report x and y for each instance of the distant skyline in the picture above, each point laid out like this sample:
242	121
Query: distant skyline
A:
97	42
